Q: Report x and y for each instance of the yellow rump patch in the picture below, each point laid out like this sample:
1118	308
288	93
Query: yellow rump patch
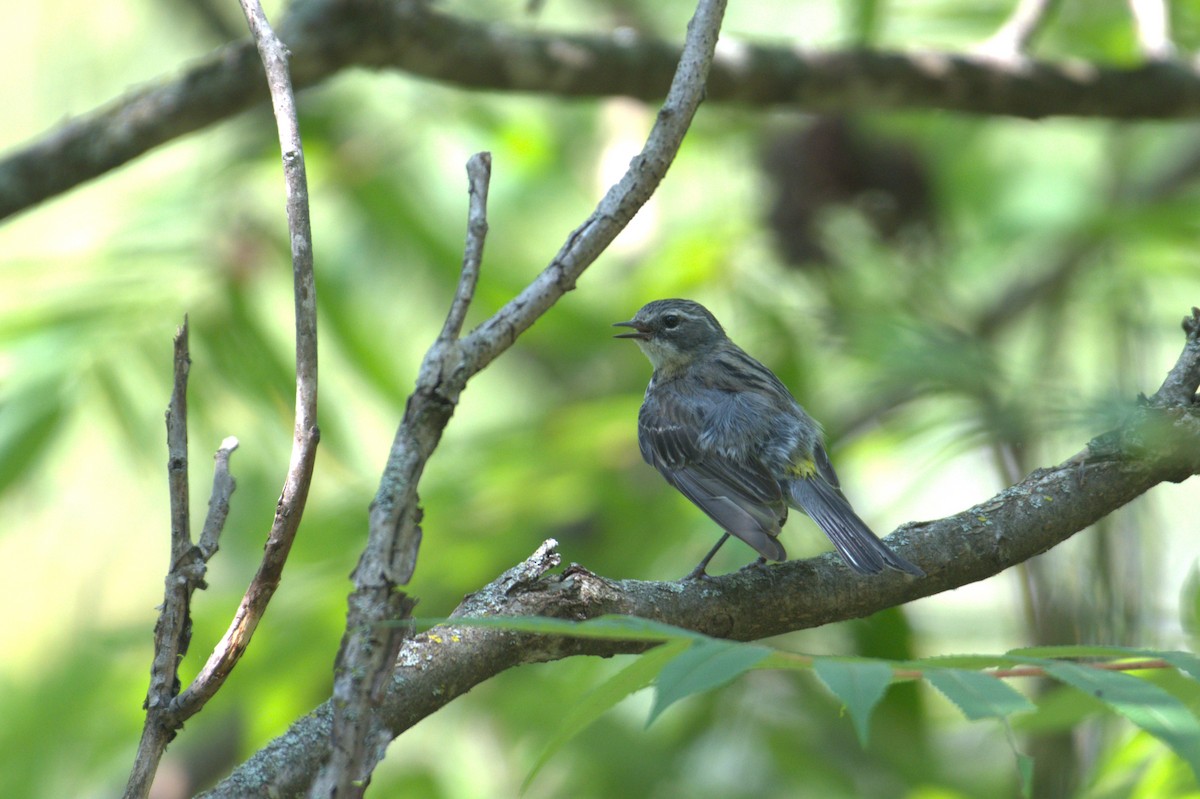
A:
805	468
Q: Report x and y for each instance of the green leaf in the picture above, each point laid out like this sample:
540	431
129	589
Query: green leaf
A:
860	684
708	663
979	696
1142	702
634	677
1184	661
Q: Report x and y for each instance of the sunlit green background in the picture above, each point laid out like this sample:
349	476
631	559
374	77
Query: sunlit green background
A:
936	392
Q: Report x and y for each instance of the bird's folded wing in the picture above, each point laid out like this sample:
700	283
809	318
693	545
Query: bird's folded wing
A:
739	495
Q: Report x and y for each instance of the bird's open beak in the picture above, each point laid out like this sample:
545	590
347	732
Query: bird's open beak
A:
640	331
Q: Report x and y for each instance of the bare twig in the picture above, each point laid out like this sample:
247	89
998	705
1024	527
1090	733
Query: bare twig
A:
368	648
479	176
619	205
173	631
218	502
290	507
1152	24
177	449
410	36
291	502
1011	41
368	651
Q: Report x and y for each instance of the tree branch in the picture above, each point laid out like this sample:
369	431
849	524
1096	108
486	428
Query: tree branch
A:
479	177
188	566
166	708
290	508
369	647
1159	443
167	711
218	502
326	36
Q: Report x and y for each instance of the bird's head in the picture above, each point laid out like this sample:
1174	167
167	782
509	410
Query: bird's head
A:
672	333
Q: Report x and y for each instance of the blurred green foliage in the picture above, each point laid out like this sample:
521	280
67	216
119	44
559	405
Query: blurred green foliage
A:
1034	290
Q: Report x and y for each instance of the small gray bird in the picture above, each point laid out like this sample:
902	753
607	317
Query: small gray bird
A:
724	431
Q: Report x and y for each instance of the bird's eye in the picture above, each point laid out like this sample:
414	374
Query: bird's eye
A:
670	321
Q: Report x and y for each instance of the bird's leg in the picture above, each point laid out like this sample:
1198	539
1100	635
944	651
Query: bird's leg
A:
757	563
699	572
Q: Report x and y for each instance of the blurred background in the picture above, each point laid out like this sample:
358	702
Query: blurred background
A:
959	300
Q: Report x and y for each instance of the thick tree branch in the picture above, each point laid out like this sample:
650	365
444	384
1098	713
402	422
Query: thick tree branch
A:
1025	520
1160	443
326	36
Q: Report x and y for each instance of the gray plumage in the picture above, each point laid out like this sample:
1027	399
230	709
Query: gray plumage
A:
724	431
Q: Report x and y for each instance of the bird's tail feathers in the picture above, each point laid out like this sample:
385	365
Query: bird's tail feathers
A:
854	541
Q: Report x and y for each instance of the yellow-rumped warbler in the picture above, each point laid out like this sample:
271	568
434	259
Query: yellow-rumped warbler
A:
724	430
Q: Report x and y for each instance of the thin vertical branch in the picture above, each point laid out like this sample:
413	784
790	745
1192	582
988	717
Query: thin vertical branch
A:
290	507
479	177
173	631
369	650
177	448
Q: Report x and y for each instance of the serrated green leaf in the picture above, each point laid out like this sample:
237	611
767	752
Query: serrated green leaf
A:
708	663
860	684
1143	703
979	696
634	677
